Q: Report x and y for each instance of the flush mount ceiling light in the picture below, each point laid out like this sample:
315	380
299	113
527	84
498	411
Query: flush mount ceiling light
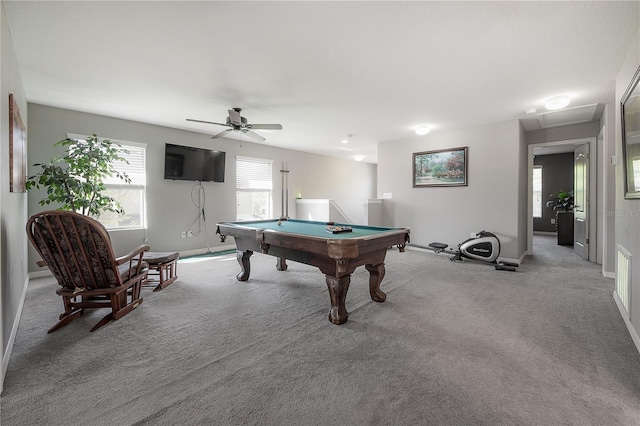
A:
422	130
346	140
557	102
358	157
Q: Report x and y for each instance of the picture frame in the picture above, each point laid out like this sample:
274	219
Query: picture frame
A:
630	114
17	149
441	168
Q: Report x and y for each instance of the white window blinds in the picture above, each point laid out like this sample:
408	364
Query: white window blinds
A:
135	168
253	173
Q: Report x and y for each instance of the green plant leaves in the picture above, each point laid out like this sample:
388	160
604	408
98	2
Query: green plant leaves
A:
75	180
561	200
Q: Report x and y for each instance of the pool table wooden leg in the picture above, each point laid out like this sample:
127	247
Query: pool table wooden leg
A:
282	264
338	288
245	264
376	274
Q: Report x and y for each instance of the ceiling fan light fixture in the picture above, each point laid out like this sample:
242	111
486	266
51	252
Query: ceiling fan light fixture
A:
557	102
422	130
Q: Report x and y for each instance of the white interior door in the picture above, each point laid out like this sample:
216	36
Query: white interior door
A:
581	201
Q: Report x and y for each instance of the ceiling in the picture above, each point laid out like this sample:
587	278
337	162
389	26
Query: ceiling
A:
324	70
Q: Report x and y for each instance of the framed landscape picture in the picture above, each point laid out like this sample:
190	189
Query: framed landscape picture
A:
17	149
445	167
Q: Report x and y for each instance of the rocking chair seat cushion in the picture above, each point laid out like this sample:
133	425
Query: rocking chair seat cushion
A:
127	272
160	257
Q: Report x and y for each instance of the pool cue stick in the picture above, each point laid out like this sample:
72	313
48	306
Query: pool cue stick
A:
282	192
286	205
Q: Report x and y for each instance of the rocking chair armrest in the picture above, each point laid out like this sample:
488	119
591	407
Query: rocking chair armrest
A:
134	257
138	252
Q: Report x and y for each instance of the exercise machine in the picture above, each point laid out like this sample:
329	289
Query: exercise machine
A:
483	247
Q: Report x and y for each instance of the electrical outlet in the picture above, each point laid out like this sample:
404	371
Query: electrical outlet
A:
184	234
553	221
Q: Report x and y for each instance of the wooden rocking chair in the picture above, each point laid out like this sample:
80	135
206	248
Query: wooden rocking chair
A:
77	249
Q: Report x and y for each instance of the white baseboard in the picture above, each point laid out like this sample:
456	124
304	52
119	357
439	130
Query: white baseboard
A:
45	272
623	314
14	330
40	274
516	261
197	252
500	259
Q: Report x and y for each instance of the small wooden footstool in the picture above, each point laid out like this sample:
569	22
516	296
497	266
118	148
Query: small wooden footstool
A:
164	265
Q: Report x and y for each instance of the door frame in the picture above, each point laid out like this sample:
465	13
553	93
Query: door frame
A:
582	213
570	144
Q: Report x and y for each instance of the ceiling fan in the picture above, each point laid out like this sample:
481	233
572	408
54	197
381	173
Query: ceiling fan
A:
237	123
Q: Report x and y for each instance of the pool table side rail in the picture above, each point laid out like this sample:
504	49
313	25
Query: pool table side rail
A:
256	224
334	248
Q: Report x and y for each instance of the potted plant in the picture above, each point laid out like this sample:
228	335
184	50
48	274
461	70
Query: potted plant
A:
562	203
75	180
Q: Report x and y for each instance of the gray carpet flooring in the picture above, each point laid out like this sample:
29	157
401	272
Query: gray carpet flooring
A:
454	344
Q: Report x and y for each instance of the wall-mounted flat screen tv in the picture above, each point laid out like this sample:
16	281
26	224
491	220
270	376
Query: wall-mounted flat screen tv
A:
195	164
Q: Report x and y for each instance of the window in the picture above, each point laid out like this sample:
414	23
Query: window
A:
253	188
635	161
537	191
130	196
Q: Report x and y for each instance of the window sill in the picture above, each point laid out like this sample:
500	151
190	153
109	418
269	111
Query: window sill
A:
126	229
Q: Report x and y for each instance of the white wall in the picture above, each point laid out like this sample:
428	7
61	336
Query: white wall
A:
490	202
627	218
13	206
523	193
608	144
170	209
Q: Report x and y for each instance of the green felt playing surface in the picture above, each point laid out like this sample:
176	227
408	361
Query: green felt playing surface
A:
316	229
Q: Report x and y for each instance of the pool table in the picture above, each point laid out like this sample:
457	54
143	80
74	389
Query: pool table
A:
336	255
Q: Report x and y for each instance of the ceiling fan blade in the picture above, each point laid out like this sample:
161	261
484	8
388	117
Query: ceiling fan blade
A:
207	122
221	134
265	126
254	135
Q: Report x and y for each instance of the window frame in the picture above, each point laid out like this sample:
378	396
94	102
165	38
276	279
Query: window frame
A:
142	186
257	189
533	201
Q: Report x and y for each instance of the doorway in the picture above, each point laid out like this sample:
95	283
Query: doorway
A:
568	146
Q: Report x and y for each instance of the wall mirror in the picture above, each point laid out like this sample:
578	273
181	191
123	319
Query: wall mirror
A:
630	113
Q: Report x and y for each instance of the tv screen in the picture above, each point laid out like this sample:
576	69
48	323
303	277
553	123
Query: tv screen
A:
196	164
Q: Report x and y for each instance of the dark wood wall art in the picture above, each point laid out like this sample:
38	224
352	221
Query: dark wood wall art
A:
17	149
